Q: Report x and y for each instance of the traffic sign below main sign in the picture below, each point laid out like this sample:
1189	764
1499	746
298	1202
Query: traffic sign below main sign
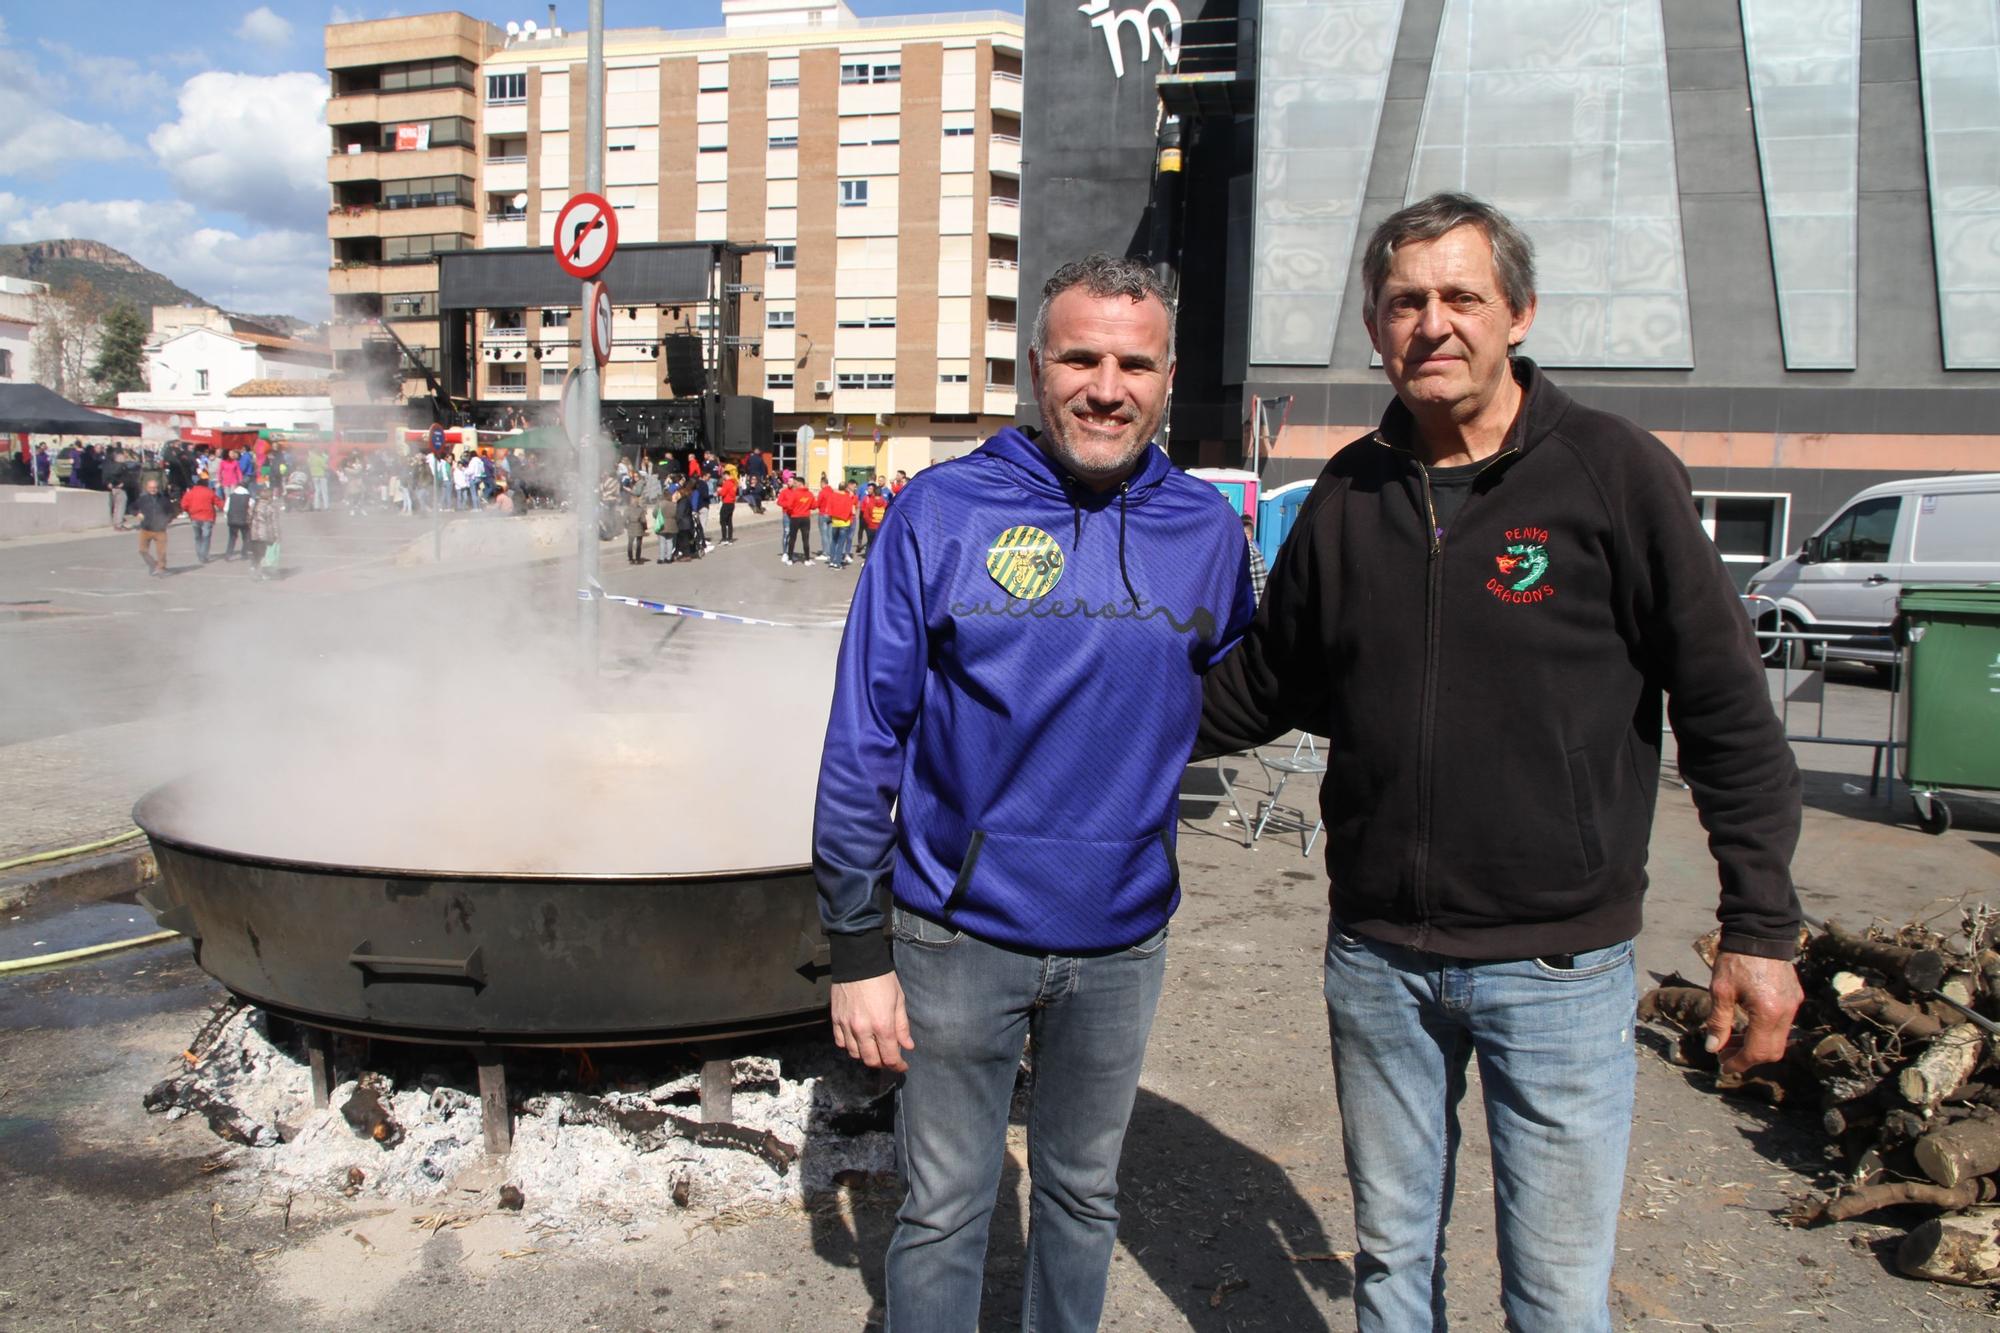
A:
586	235
600	324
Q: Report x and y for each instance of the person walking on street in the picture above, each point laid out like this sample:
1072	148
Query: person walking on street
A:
317	469
670	525
1023	868
837	507
155	511
825	524
116	501
798	504
1489	604
725	494
264	534
635	529
236	513
198	503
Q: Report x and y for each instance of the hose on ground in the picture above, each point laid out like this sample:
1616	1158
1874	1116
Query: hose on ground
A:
61	852
88	951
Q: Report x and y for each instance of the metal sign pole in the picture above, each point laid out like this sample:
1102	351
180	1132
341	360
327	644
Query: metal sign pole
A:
587	542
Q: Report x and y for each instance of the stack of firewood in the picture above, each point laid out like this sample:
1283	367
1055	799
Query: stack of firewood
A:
1897	1051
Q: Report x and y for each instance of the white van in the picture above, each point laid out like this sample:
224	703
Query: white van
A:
1848	575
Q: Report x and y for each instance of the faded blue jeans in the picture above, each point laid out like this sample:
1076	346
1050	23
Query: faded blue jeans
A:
971	1006
1556	1066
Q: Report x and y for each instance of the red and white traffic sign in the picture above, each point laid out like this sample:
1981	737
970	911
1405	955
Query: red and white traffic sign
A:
600	324
586	235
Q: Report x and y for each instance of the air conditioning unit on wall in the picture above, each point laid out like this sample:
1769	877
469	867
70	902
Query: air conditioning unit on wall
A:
822	388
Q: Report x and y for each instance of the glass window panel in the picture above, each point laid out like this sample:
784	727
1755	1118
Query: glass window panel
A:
1557	112
1958	46
1805	93
1322	72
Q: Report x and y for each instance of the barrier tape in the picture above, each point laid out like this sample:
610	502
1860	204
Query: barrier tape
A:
696	613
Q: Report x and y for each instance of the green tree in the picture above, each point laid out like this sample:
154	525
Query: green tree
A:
120	366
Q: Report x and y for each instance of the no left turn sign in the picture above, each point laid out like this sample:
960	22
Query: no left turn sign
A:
586	235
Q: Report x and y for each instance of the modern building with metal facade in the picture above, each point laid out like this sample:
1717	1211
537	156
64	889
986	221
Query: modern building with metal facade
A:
880	160
1767	230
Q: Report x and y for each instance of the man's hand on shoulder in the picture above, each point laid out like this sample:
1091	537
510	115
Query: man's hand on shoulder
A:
1767	990
869	1022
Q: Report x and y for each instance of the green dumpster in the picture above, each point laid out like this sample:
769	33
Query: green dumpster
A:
1952	693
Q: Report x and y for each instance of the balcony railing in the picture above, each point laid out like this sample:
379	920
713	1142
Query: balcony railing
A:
1007	138
992	262
520	216
1006	76
506	391
509	161
1001	326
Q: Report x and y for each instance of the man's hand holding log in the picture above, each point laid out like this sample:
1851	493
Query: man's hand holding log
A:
1767	990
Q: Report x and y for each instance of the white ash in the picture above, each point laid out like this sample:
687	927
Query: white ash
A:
577	1177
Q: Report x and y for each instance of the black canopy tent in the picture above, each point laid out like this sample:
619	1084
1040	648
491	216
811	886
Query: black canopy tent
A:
34	410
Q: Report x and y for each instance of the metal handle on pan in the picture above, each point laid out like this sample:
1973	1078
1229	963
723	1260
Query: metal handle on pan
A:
176	918
471	968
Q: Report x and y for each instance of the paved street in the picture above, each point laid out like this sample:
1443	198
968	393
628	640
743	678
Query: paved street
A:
1236	1207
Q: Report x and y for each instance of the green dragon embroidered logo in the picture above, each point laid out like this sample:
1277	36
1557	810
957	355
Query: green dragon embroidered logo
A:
1524	568
1025	561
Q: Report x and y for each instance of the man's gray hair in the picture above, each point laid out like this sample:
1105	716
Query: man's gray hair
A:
1428	219
1102	275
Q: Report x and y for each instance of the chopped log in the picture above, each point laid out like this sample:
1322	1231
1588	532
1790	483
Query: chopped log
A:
1878	1006
1959	987
1960	1248
1684	1006
1858	1114
1835	1054
1901	1126
1921	969
1944	1065
1708	946
1960	1150
1848	1088
1871	1198
1845	984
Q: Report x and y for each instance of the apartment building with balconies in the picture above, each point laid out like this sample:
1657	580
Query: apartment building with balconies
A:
879	158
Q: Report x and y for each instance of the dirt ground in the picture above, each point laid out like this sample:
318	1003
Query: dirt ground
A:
1236	1210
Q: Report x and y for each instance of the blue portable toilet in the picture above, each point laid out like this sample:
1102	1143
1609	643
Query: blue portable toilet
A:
1276	512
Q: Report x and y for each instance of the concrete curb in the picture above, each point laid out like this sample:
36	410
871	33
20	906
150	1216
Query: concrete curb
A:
85	879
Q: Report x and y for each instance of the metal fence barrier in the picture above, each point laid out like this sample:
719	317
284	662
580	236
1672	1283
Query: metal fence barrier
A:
1805	685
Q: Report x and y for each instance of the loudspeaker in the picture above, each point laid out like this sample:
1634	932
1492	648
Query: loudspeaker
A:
736	424
684	369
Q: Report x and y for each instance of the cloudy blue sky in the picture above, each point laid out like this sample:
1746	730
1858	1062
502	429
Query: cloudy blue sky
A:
191	135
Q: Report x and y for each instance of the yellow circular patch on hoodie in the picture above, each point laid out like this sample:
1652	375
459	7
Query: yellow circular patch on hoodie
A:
1025	561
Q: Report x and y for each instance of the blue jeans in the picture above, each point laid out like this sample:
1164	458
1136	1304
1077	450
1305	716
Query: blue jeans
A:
203	533
1556	1065
784	534
837	548
971	1006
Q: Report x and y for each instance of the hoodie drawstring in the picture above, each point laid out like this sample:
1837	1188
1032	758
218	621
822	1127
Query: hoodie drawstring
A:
1124	573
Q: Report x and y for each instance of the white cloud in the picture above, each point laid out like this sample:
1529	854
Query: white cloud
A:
265	29
277	271
250	144
113	80
35	138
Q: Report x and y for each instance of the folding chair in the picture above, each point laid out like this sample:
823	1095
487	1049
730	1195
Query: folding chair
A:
1304	758
1229	793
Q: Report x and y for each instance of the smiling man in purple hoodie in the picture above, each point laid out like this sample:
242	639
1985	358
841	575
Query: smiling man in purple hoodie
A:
1021	680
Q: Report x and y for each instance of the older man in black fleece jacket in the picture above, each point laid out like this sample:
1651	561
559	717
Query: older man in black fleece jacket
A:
1483	604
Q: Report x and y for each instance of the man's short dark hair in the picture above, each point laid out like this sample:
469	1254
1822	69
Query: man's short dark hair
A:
1102	275
1428	219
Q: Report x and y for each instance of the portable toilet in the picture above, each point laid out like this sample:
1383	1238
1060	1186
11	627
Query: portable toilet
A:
1237	487
1277	511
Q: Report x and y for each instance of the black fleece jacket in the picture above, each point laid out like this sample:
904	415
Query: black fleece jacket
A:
1493	695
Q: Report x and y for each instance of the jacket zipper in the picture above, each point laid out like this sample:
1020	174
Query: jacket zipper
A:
1427	711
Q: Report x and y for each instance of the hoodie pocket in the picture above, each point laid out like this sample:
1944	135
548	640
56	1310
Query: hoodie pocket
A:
1583	800
1064	893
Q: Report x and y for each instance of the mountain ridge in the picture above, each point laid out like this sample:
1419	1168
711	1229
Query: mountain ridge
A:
115	275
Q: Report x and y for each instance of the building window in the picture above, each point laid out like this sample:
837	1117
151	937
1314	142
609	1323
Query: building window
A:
6	364
716	148
880	379
412	305
414	249
854	194
954	379
626	148
704	320
506	89
871	379
784	141
426	74
784	81
555	319
777	379
201	381
863	71
775	318
427	192
785	256
552	376
957	131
